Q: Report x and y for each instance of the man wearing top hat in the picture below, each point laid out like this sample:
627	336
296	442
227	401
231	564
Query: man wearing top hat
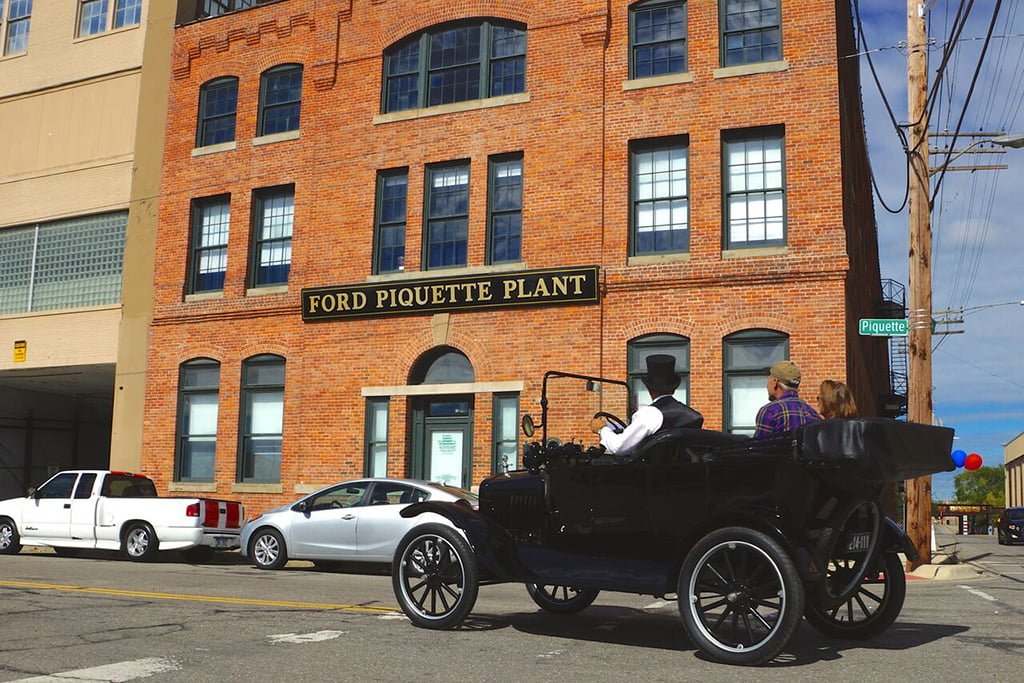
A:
664	411
785	409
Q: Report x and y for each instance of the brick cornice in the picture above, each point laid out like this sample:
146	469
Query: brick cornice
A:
249	35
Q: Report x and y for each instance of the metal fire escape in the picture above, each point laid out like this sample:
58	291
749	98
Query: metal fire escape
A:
894	305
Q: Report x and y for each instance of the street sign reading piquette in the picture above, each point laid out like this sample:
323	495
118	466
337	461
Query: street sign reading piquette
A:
884	327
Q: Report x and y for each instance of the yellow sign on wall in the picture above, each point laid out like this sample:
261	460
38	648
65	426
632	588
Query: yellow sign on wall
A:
20	351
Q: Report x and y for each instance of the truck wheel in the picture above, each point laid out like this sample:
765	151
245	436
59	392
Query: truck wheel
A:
267	549
435	577
10	542
140	542
869	611
561	599
740	596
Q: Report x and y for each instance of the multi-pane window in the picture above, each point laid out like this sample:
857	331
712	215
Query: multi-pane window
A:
376	437
505	208
273	213
198	384
659	175
657	38
218	104
15	25
392	193
747	357
70	263
280	99
262	419
447	218
95	16
751	31
211	222
637	352
455	64
755	194
506	426
215	8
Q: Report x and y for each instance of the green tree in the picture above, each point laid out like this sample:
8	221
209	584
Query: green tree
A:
983	486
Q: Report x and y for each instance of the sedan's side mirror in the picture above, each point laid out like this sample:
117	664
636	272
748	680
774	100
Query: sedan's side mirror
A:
301	506
32	492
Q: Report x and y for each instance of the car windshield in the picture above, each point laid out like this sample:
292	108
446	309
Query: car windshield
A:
458	493
1016	515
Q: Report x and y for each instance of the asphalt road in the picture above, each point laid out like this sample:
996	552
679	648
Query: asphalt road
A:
100	618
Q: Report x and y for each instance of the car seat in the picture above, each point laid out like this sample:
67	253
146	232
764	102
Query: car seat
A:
380	497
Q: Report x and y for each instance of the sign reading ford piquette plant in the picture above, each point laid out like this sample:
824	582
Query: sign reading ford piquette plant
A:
464	292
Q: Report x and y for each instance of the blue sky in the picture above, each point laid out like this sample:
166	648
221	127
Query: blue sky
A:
978	247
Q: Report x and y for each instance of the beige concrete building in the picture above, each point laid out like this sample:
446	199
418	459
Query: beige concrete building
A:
82	105
1013	461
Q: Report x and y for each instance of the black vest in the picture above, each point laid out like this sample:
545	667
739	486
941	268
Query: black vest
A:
676	414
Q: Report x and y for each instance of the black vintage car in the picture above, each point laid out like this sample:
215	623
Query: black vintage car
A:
750	535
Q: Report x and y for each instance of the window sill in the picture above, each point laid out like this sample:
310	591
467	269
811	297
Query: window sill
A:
447	272
442	109
214	149
204	296
750	69
306	488
256	488
651	259
194	486
275	137
105	33
4	58
754	251
657	81
272	289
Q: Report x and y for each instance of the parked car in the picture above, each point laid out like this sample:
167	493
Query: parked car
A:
106	510
354	521
1010	528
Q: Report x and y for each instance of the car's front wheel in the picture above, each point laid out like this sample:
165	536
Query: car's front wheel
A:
10	542
561	599
140	542
740	596
267	549
435	577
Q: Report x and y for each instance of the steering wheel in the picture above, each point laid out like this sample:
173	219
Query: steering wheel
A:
336	505
617	422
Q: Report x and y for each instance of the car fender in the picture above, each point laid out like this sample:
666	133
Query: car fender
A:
895	540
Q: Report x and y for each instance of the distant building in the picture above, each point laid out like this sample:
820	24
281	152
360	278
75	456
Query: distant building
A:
381	223
1013	461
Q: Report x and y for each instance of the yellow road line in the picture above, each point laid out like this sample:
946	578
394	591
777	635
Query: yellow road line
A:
197	598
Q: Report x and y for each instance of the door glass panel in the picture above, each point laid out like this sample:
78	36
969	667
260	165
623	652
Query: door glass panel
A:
58	487
446	457
338	497
448	409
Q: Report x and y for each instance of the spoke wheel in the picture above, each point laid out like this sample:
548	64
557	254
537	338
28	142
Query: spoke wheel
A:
847	568
10	542
869	611
561	599
267	549
434	576
740	596
140	543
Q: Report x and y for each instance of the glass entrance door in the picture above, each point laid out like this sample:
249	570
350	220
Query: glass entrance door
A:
443	440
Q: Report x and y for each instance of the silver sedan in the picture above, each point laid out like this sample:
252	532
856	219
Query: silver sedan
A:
354	521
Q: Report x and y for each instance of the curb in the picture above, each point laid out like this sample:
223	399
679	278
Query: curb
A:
945	572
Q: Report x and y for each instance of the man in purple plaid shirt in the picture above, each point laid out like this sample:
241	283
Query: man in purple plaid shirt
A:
786	410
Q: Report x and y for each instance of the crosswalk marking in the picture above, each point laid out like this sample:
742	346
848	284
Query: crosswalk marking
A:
111	673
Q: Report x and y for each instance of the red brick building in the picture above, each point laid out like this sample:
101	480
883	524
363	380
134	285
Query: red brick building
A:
362	200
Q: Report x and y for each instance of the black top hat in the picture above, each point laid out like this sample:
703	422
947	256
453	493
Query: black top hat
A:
661	371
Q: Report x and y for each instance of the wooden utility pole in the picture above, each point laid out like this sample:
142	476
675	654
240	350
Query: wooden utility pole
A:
919	346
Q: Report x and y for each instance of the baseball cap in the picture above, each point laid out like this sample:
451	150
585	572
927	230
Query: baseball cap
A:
787	372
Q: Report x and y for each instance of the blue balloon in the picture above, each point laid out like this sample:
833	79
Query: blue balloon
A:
959	457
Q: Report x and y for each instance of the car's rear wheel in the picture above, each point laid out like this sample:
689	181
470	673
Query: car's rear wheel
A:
267	549
435	576
869	611
10	542
140	542
561	599
740	596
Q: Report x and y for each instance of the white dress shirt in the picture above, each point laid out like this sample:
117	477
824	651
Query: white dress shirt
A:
646	420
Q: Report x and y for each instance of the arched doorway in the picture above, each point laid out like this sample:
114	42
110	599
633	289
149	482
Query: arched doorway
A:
442	423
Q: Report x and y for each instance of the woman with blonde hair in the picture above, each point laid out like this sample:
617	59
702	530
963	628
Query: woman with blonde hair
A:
836	400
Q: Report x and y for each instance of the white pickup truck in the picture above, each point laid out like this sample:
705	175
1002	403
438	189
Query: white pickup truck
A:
107	510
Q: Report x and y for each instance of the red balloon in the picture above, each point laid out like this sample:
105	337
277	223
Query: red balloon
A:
972	462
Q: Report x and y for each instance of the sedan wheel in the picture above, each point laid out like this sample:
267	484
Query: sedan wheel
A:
267	549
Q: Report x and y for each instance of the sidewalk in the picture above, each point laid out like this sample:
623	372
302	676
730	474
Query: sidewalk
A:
945	563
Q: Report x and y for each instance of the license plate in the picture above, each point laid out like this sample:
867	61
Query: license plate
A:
221	542
859	542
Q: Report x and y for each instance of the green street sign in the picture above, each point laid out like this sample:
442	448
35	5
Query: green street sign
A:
884	327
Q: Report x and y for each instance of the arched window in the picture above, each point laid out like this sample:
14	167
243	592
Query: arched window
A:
198	386
657	38
747	356
218	104
455	63
280	99
262	419
442	365
636	365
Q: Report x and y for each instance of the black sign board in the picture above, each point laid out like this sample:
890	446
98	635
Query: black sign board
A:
465	292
